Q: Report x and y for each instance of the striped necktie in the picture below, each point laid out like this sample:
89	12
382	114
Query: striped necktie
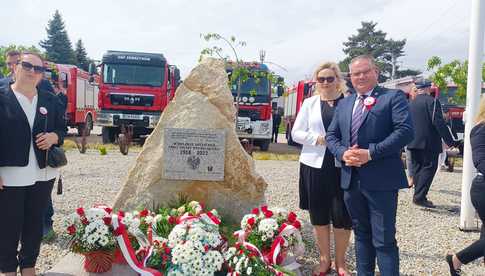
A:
357	117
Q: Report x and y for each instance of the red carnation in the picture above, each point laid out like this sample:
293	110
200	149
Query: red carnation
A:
167	250
84	221
108	210
71	230
291	217
251	221
255	211
264	208
80	211
144	213
107	220
297	224
268	213
165	258
121	214
206	248
172	220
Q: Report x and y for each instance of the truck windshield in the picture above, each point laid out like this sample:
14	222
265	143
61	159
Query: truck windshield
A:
130	74
253	87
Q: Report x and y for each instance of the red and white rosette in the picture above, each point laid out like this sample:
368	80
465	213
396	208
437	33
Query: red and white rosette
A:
369	102
127	250
43	110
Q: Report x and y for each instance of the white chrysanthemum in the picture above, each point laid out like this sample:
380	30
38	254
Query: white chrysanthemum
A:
181	210
93	214
229	253
177	235
268	226
149	219
158	218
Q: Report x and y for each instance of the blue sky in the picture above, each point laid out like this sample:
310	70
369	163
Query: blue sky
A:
297	34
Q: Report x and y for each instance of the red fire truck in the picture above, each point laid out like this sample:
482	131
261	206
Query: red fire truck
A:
453	113
293	100
134	89
82	95
254	120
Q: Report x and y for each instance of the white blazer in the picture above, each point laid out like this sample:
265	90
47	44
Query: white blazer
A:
308	126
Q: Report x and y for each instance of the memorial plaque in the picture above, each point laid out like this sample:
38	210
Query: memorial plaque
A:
194	154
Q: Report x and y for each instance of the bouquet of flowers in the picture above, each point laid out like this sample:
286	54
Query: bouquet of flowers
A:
91	234
275	232
244	260
184	240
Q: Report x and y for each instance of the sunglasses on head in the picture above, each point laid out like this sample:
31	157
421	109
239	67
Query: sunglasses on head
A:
29	66
327	79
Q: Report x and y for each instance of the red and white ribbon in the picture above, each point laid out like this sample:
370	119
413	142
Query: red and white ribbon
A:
127	250
211	217
240	235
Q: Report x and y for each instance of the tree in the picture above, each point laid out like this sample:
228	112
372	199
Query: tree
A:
58	47
455	71
82	60
20	48
369	41
240	73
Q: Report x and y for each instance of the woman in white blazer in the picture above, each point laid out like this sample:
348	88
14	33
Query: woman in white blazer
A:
319	190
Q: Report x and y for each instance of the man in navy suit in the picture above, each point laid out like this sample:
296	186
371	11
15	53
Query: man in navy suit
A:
367	134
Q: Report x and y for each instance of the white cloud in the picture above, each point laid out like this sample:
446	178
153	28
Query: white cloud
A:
297	34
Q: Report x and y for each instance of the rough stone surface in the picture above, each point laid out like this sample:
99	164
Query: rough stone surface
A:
202	101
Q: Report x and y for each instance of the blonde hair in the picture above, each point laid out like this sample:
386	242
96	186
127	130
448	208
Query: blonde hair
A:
341	86
480	118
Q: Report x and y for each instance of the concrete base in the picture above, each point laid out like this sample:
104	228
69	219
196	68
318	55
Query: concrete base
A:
72	265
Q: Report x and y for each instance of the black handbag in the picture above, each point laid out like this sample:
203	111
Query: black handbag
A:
56	157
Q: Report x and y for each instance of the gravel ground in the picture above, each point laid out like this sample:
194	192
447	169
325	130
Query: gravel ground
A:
424	236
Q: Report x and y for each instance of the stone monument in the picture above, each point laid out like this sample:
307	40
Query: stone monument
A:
203	101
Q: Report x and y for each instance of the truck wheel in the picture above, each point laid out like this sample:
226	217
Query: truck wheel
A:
108	135
124	144
264	144
85	128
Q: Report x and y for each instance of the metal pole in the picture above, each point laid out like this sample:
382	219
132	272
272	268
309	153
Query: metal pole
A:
474	88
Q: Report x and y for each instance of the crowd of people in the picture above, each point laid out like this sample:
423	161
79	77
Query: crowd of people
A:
351	168
350	163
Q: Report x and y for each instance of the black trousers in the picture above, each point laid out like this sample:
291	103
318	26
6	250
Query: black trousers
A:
22	214
476	249
274	134
424	165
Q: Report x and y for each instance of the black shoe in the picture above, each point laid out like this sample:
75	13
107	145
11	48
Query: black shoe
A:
453	271
424	203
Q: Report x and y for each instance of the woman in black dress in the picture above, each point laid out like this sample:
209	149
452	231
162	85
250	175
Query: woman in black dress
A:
477	194
320	191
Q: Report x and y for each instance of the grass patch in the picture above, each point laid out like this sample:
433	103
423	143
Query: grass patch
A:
71	145
275	156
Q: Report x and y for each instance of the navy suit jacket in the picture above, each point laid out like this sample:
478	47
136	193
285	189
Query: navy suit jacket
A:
386	128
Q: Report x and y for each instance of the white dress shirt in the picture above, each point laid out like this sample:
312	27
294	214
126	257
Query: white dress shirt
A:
357	100
355	106
28	175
